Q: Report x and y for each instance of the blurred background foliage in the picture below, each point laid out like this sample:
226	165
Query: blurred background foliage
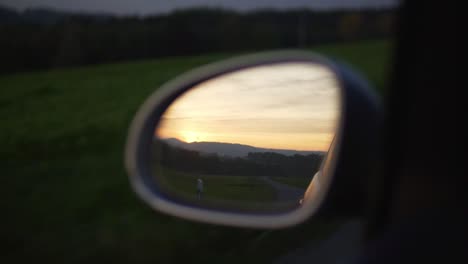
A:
41	38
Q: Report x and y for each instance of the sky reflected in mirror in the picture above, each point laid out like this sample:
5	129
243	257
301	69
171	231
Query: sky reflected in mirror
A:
280	106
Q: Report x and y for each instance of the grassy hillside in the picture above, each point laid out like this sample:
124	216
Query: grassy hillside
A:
64	194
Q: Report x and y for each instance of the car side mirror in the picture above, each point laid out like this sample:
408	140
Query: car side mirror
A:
255	141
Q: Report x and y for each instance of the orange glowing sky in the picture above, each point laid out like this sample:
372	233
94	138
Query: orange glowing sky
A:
282	106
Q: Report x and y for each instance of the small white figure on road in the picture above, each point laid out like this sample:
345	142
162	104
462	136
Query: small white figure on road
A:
199	188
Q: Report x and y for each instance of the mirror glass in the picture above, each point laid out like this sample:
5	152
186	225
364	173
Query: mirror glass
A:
250	140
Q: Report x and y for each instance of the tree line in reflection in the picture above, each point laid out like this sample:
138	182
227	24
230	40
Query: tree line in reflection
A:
254	164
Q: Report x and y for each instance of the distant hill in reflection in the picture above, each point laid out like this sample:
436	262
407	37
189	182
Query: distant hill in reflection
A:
231	149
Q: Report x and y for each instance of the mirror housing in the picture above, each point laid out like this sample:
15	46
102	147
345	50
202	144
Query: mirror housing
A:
350	154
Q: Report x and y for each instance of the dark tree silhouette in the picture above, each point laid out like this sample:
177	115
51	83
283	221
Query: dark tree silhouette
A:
40	39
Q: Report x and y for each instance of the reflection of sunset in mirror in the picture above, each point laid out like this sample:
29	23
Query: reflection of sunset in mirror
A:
282	106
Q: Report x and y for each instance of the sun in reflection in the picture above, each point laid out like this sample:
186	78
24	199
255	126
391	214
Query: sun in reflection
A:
190	136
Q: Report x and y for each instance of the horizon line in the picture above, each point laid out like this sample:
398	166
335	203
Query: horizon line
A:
81	11
267	148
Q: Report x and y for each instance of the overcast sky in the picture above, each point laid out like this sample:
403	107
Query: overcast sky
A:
143	7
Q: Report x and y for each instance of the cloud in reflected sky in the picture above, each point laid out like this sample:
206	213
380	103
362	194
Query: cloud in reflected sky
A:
285	106
144	7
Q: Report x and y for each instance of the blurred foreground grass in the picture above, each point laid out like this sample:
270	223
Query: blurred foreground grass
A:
64	194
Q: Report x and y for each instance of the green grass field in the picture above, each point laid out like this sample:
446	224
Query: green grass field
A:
65	196
243	189
235	193
294	181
